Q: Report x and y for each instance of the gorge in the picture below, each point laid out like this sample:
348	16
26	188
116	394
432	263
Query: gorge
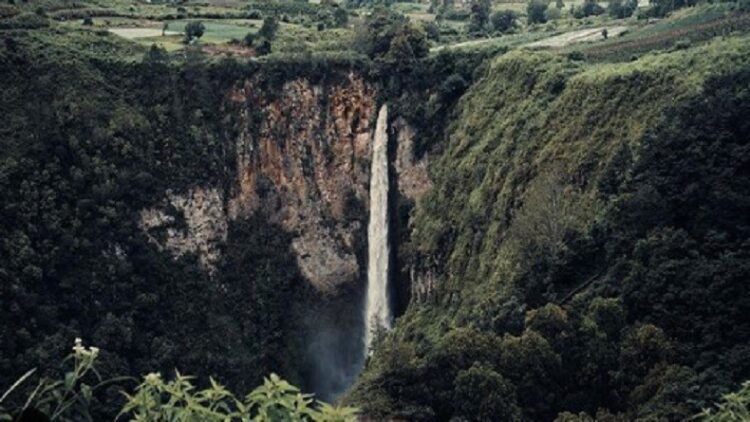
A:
481	232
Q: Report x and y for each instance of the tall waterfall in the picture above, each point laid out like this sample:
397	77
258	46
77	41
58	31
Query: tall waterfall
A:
377	308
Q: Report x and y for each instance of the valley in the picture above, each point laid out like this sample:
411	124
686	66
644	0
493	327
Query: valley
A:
429	211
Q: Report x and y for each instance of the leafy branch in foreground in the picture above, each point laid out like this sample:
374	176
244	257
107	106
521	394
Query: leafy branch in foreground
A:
66	399
178	400
734	407
275	400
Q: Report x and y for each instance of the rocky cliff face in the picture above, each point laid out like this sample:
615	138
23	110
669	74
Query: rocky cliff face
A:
305	165
193	222
303	161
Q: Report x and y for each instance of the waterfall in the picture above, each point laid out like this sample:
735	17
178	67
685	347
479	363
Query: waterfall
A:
377	307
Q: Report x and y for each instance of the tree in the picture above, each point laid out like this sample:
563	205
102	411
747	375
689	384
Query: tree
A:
193	31
535	11
340	16
480	14
269	28
375	36
480	393
408	44
620	10
164	28
503	20
589	8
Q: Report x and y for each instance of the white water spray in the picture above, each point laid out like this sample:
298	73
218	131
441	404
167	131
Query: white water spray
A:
377	308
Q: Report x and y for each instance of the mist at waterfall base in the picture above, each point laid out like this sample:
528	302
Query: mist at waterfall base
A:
333	344
340	329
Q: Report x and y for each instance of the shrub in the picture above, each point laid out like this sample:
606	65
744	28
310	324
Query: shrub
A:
431	30
480	14
503	20
269	28
249	39
480	393
194	30
24	21
620	10
69	398
340	17
264	47
589	8
73	398
535	11
375	37
553	13
733	407
275	400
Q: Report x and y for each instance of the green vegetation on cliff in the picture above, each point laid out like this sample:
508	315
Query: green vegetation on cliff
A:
588	228
582	255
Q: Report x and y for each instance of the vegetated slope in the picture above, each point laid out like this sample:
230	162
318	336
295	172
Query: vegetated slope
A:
88	144
588	226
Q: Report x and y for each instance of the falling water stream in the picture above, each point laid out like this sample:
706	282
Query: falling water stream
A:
377	306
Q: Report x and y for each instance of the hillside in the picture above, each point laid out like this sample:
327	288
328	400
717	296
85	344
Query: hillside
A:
586	233
561	192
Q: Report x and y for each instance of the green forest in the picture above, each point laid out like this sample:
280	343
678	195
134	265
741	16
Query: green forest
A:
186	197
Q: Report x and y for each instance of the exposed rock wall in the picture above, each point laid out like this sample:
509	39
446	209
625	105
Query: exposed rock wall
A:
303	160
413	179
194	222
305	164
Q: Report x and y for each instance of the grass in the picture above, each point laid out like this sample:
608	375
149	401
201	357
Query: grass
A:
690	26
218	31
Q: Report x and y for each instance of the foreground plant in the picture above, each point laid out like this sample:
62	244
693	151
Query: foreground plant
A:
155	399
734	407
66	399
275	400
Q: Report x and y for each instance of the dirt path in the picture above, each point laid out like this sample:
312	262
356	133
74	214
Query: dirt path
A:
131	33
574	37
562	40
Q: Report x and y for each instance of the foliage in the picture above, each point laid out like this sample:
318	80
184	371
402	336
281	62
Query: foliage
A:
661	8
194	30
263	47
375	36
87	146
586	225
61	400
503	20
535	11
620	9
589	8
177	400
274	400
480	16
733	407
269	28
480	393
409	43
